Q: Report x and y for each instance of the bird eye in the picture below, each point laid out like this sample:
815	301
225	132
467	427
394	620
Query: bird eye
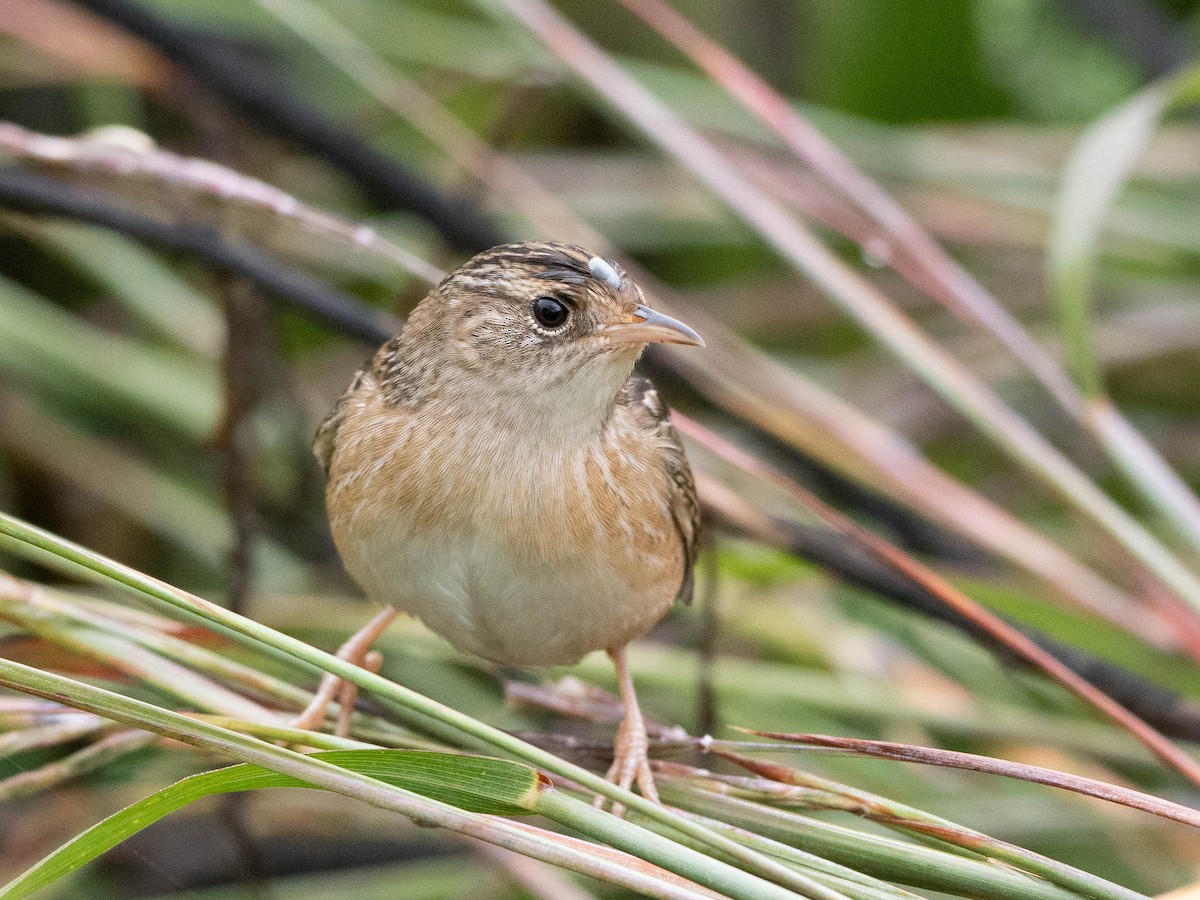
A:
550	313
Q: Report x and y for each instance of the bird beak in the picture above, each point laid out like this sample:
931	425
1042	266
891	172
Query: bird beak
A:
650	327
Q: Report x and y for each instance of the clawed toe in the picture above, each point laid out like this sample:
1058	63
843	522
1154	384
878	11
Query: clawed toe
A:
645	781
356	650
630	765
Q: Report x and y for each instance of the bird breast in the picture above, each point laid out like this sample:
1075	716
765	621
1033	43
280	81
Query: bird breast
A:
523	545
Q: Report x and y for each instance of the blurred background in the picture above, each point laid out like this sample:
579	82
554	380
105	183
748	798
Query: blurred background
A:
158	408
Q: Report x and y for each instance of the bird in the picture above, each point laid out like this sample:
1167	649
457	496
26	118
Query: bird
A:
500	471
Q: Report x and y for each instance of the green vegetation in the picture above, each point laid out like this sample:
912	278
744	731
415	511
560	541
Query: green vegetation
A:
944	429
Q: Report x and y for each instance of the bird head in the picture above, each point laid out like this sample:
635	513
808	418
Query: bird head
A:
535	320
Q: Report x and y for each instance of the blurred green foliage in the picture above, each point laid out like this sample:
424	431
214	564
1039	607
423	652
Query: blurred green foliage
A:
110	380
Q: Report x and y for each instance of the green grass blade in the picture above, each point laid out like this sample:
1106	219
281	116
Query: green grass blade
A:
1099	168
914	865
137	278
476	784
44	346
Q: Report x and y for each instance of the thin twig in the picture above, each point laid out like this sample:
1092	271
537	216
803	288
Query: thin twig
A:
127	154
243	324
952	759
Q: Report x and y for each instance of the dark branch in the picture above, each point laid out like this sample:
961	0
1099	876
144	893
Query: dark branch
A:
256	92
1164	709
30	192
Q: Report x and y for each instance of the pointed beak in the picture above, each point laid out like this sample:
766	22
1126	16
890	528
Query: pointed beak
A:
650	327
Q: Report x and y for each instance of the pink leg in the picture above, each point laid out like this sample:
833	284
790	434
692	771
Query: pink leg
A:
630	760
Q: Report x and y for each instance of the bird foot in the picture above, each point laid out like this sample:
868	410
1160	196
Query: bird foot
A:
356	650
631	760
631	763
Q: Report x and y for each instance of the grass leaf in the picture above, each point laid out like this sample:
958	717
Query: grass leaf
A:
1099	168
474	783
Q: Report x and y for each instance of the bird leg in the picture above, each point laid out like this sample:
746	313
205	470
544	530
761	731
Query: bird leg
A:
356	650
630	760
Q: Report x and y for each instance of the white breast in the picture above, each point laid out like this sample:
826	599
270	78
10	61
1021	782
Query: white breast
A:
504	606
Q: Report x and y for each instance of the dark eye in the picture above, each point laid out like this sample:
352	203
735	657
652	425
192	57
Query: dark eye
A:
550	313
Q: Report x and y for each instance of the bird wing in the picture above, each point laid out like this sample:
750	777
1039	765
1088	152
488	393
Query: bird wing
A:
326	437
640	396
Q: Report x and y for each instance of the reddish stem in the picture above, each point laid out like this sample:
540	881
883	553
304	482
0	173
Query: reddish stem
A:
930	581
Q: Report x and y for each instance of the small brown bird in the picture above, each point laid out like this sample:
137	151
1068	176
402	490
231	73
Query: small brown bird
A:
498	471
